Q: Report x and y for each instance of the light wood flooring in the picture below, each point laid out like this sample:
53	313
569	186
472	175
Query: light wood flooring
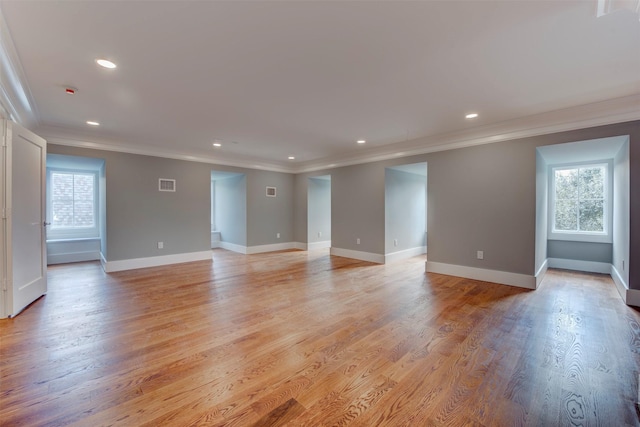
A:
305	339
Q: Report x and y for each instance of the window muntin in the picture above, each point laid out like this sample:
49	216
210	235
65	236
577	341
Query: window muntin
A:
580	200
72	204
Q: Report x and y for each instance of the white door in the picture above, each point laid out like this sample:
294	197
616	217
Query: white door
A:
25	169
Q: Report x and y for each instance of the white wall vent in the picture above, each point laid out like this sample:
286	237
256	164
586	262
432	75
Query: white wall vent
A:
166	184
271	191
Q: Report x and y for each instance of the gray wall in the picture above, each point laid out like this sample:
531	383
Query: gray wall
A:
357	208
582	251
267	216
405	210
542	210
231	209
319	209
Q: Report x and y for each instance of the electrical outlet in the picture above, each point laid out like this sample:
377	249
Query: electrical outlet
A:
319	233
395	242
160	245
480	254
278	235
358	241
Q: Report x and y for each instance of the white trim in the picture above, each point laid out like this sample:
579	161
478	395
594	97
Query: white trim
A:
155	261
318	245
404	254
617	110
359	255
541	272
73	257
633	297
495	276
270	248
103	261
579	265
621	286
233	247
300	245
15	95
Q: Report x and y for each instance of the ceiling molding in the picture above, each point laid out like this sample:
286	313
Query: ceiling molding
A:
14	91
607	112
602	113
160	152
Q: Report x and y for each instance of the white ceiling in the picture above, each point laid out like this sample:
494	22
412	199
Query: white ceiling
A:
273	79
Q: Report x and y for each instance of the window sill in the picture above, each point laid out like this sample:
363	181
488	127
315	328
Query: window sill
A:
578	237
73	239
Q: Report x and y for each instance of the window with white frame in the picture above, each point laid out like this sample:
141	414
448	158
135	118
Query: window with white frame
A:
580	205
72	204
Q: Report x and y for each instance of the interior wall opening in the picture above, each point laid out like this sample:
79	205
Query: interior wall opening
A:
319	212
228	210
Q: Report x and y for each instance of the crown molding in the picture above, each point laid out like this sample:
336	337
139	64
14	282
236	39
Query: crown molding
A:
617	110
611	111
155	151
15	95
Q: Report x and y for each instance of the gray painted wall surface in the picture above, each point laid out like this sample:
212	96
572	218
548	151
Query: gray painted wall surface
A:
267	216
231	209
357	208
405	210
319	210
581	251
542	210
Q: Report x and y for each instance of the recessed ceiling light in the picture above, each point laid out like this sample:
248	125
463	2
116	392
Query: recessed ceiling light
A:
217	144
291	158
361	141
471	116
105	63
92	123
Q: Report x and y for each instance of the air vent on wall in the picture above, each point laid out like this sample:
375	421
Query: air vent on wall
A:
166	184
271	191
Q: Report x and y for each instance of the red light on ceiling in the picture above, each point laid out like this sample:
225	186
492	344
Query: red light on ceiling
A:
70	90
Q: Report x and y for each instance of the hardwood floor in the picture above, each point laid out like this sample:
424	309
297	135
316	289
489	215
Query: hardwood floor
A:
304	339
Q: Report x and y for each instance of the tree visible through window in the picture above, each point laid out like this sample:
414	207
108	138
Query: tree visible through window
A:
580	199
72	200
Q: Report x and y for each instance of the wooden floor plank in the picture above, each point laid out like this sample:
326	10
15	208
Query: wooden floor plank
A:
304	338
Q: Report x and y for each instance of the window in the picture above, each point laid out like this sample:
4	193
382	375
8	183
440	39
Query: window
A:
579	202
72	204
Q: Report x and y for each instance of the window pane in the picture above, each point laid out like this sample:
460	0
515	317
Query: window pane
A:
62	186
566	184
83	214
592	215
591	183
566	215
62	213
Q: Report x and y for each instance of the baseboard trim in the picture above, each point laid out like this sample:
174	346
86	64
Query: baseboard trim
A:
541	272
233	247
494	276
633	297
404	254
579	265
259	249
319	245
361	256
155	261
68	257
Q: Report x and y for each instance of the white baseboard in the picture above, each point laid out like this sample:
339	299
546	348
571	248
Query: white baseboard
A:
633	297
72	257
155	261
103	261
319	245
541	272
578	265
404	254
300	245
233	247
362	256
215	239
495	276
621	286
270	248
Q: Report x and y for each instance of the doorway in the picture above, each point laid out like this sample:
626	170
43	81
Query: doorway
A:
319	212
